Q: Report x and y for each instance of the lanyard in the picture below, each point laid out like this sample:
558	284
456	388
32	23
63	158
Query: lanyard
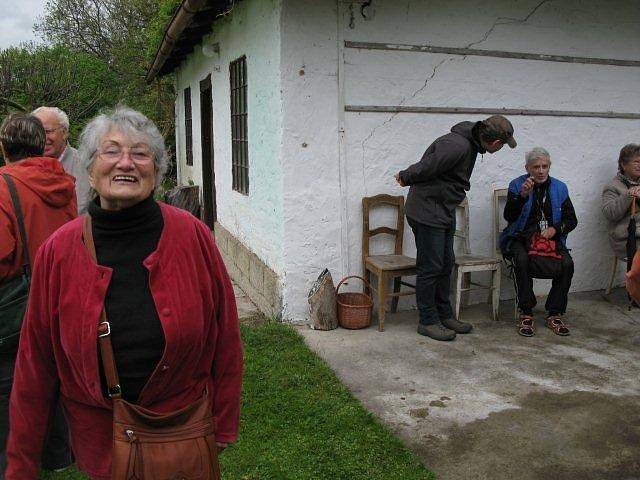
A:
543	224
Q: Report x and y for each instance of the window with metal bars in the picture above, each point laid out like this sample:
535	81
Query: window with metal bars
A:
239	137
188	133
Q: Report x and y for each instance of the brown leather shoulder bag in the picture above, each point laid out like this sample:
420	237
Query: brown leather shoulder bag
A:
179	445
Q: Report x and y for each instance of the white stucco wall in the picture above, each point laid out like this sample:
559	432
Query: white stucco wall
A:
319	201
252	29
312	198
304	210
584	150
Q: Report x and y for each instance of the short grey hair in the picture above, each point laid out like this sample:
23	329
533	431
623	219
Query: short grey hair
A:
536	153
129	122
63	118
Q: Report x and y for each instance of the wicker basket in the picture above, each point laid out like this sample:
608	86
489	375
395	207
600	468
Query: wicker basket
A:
354	308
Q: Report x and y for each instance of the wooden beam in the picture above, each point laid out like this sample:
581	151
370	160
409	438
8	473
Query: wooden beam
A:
488	111
491	53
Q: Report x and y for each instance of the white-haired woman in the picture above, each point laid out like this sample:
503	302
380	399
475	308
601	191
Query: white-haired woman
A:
540	214
166	294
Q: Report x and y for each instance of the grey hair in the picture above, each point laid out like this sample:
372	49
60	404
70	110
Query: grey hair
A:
129	122
536	153
63	118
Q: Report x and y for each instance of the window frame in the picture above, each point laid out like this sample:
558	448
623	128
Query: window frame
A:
188	127
238	84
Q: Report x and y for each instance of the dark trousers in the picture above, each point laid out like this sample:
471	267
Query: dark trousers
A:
529	267
56	453
434	262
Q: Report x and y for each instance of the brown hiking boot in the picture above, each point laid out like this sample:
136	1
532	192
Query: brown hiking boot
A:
457	326
436	331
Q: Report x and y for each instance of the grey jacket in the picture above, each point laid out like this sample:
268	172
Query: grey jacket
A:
73	166
616	207
439	181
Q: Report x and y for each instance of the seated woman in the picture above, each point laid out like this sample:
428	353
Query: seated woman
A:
540	215
617	197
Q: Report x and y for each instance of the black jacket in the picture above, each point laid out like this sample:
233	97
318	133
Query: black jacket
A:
439	180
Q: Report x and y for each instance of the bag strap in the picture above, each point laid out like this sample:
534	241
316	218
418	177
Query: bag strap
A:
104	329
26	265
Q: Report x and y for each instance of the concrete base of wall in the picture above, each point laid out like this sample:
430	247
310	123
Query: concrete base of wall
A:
259	282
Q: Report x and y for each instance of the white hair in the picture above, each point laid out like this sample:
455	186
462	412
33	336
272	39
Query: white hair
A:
536	153
127	121
63	118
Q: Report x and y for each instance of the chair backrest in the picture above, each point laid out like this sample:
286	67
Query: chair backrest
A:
462	225
369	203
499	196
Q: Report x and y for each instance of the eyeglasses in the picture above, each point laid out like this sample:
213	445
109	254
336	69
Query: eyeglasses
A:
137	154
49	131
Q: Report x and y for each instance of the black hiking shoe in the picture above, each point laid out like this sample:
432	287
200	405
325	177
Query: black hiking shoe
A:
436	331
456	326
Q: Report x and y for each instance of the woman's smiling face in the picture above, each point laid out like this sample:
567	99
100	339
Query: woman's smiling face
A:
123	171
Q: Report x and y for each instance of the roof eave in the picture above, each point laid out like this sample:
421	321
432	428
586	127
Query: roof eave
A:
180	20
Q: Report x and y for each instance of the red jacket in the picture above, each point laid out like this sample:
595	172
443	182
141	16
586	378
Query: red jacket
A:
48	201
58	343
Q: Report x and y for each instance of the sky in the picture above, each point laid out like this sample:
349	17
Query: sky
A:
16	20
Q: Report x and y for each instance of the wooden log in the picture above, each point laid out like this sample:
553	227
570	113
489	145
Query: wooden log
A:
185	197
322	303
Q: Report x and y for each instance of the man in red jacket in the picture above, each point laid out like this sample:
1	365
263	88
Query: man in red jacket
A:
47	200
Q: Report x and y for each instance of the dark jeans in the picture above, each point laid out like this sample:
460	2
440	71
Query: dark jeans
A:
529	267
56	453
434	262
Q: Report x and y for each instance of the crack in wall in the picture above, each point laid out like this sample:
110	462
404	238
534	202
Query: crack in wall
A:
499	21
511	21
394	115
433	74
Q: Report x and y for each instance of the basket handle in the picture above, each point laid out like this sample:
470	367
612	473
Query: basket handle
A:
354	276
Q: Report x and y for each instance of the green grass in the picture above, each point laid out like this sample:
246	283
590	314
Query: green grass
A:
299	422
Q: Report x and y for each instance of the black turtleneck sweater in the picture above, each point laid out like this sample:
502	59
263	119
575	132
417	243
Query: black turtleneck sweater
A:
124	239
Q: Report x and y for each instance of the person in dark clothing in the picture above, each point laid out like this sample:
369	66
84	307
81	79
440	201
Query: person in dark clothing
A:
539	210
438	183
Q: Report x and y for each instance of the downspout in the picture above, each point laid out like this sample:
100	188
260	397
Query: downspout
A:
177	109
344	220
180	20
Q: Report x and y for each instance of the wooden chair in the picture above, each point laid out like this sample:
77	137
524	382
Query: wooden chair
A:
499	197
614	270
467	263
385	267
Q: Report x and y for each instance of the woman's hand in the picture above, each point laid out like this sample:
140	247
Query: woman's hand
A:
548	233
399	179
634	192
221	446
527	188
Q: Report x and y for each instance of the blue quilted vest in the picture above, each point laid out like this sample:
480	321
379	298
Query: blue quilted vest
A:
558	193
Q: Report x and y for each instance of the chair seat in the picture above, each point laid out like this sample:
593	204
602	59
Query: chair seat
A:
390	262
476	260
